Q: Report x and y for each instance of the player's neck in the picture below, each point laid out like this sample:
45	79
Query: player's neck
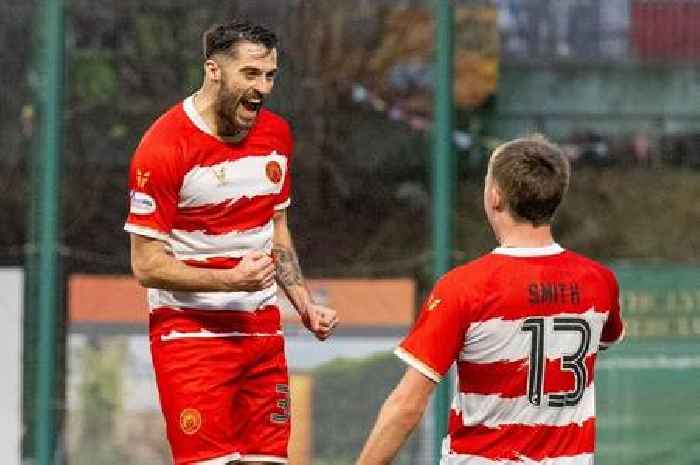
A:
525	236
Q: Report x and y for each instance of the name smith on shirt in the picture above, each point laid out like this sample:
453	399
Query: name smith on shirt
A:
554	293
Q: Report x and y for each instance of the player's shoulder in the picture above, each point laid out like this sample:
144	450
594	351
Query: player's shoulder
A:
472	272
274	132
161	145
466	282
587	261
582	262
268	119
168	127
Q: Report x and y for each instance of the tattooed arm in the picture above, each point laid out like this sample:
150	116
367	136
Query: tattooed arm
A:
318	319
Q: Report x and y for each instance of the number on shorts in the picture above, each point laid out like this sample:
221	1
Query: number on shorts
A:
282	404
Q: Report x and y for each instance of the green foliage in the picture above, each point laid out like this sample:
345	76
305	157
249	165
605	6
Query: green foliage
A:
94	76
347	398
154	35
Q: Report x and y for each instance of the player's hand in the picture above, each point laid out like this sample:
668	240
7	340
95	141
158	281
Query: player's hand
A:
256	271
320	320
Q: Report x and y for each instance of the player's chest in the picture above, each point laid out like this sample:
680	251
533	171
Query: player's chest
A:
228	177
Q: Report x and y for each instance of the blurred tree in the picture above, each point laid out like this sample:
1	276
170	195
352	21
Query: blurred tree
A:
400	68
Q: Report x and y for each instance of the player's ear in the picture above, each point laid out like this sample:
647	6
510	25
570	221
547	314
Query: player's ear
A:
212	70
496	198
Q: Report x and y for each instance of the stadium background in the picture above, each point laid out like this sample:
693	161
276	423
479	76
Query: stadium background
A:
616	82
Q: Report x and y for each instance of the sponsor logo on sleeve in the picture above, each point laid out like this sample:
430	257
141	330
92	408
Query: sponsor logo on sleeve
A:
141	204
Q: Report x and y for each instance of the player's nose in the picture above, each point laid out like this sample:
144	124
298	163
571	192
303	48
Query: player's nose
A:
263	86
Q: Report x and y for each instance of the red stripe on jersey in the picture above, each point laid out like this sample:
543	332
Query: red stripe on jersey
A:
225	217
512	442
526	311
509	379
223	263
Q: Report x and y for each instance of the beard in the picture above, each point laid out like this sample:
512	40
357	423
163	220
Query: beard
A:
227	105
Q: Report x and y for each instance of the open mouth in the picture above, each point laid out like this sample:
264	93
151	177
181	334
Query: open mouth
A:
251	105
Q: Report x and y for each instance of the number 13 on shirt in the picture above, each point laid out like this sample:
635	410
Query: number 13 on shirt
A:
573	361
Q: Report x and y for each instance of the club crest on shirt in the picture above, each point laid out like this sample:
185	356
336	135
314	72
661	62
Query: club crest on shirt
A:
432	303
273	171
190	420
141	204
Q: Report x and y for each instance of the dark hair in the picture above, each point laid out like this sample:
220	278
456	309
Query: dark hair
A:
221	38
533	175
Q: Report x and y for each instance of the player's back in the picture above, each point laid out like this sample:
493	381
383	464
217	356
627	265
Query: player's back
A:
534	320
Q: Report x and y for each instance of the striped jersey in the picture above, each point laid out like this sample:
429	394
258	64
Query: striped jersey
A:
524	326
210	200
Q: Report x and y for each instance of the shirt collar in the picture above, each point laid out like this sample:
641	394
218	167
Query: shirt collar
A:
194	115
552	249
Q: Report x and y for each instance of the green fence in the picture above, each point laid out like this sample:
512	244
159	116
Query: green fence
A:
649	386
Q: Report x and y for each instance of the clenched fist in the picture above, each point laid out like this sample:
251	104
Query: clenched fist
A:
320	320
255	272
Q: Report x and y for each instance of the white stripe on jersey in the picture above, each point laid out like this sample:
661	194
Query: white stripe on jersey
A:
463	459
499	340
283	205
418	365
493	410
230	181
198	245
246	301
204	334
605	345
223	460
145	231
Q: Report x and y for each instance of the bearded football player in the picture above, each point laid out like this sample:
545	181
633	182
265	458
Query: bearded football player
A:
209	192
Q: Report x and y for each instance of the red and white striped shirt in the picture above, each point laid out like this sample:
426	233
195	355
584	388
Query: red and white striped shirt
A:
524	326
210	200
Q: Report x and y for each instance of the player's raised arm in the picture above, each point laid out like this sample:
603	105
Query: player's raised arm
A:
399	415
319	319
155	267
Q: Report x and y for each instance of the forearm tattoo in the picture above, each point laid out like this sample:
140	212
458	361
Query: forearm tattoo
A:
287	265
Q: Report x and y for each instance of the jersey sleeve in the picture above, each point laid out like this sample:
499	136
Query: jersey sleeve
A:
155	178
613	330
283	199
437	337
